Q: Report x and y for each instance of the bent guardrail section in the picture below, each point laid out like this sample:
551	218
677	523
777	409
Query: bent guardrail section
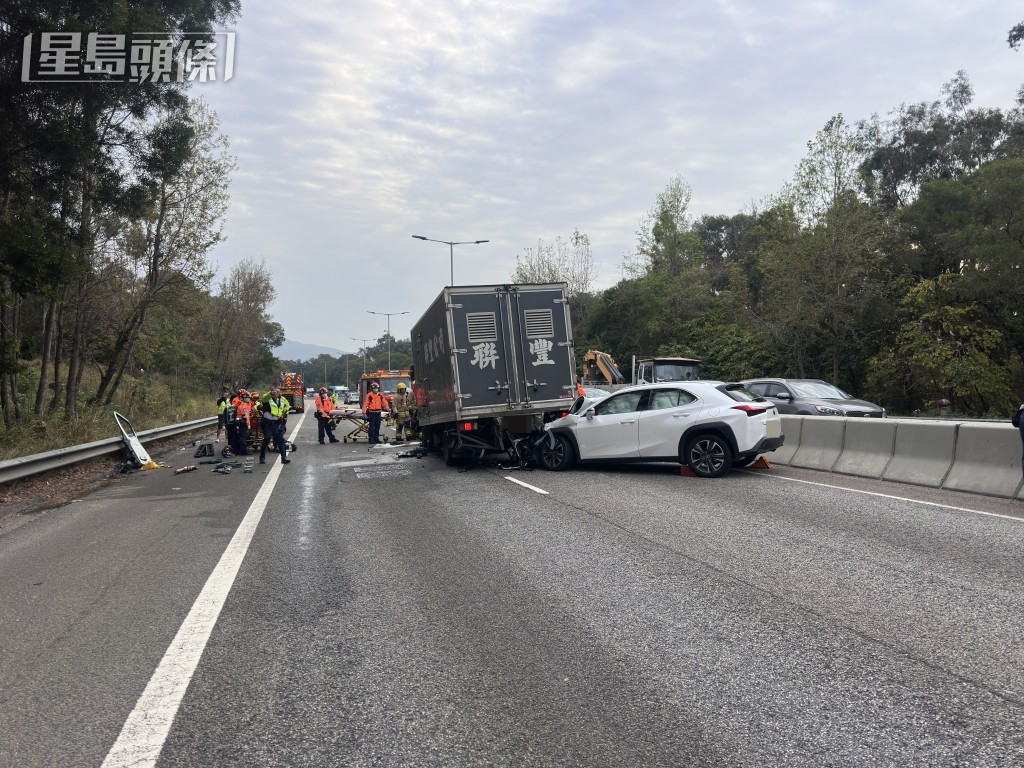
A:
25	466
976	457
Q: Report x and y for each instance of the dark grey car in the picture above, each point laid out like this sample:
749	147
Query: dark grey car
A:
812	397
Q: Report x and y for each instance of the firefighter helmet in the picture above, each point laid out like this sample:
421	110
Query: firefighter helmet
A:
226	452
401	386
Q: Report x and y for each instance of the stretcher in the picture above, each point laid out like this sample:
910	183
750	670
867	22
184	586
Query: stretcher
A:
361	427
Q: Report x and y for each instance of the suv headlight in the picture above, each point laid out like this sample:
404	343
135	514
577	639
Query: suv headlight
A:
828	410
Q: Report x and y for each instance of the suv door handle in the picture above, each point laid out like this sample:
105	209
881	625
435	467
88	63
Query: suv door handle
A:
630	421
680	415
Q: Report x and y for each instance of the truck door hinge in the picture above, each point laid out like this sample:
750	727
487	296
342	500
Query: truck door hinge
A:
498	387
464	397
454	306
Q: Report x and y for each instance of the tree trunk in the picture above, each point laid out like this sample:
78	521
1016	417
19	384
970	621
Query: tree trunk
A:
58	354
44	362
76	361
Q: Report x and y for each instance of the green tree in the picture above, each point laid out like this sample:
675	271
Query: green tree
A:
943	139
829	265
944	350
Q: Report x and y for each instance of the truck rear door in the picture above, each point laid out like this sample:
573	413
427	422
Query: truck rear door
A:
512	348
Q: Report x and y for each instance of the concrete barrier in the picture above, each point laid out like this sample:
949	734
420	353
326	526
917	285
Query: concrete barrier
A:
791	426
821	442
987	460
867	447
922	453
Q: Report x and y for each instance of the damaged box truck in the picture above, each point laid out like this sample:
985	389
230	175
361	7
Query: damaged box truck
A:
488	363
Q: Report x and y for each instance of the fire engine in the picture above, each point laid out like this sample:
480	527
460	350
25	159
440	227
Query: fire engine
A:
388	381
292	389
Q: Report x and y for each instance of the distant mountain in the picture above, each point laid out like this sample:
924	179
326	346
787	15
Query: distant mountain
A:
298	351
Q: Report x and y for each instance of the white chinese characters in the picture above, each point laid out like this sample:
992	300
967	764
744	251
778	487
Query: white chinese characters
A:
60	57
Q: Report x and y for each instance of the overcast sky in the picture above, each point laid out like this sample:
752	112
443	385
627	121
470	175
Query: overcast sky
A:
358	124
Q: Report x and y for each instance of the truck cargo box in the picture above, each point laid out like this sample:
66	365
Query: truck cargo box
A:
492	351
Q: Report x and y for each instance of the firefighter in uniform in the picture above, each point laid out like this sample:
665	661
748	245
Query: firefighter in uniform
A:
275	410
324	423
401	407
375	405
243	408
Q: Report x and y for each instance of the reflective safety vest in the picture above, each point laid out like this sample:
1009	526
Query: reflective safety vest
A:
276	409
324	405
375	401
222	406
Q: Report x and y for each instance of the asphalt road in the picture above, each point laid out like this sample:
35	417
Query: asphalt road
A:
391	611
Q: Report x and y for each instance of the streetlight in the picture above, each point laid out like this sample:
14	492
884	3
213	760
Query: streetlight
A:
389	314
451	250
364	351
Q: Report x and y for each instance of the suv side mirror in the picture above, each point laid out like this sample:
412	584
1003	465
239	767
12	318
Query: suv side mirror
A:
590	413
783	396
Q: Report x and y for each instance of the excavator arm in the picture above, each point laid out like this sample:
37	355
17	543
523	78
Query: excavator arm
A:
599	367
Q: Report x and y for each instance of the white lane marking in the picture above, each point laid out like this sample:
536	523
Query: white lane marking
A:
527	485
145	731
902	498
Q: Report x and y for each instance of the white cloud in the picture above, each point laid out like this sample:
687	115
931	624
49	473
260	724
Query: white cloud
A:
357	125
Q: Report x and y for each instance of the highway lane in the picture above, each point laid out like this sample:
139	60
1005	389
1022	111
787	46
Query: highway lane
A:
397	612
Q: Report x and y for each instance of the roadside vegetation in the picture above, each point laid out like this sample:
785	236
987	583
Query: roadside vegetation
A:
889	264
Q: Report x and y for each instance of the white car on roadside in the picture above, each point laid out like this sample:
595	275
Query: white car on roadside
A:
710	426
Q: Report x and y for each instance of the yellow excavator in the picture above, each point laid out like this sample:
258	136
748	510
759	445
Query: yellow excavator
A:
599	369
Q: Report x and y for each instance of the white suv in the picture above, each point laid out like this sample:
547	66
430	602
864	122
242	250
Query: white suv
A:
709	426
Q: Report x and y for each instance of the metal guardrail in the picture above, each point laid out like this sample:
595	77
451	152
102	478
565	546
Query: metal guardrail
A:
25	466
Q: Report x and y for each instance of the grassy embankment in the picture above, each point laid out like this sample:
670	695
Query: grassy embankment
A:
147	401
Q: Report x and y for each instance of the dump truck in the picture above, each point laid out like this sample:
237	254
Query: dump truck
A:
489	362
652	370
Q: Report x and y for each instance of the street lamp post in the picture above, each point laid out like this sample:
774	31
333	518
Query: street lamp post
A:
451	250
364	351
389	314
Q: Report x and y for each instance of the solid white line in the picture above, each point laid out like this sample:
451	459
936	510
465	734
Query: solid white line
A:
145	731
902	498
527	485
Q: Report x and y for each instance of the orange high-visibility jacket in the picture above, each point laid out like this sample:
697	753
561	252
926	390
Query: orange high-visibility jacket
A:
375	401
324	405
244	409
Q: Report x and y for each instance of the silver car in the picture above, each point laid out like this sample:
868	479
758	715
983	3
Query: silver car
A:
812	397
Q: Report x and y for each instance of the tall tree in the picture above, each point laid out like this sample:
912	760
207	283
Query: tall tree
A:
834	266
185	173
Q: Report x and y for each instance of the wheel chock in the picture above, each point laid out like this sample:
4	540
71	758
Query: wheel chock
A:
685	471
761	463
